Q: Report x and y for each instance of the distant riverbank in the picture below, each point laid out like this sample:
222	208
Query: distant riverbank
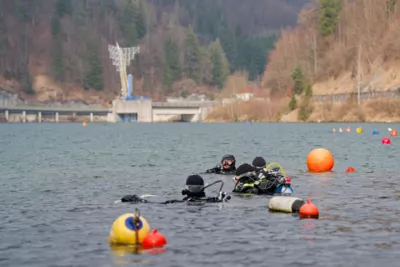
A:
372	110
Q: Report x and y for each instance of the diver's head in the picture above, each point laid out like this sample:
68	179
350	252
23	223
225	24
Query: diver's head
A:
244	170
194	186
228	162
259	163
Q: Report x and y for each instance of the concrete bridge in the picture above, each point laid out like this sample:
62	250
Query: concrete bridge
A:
52	114
147	111
122	110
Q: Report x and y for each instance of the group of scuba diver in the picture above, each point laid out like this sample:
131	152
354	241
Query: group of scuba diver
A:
249	179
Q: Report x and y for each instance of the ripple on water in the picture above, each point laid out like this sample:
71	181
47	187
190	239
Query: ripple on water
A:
59	184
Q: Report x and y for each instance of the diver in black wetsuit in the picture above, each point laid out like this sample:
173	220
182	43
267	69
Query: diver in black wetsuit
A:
227	166
253	180
259	163
194	191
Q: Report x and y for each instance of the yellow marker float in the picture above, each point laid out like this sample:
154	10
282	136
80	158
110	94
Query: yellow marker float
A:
129	229
359	130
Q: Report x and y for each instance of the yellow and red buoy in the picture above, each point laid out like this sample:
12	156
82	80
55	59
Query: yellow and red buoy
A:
133	229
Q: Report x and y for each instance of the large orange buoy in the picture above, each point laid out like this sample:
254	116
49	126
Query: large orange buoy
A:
309	210
320	160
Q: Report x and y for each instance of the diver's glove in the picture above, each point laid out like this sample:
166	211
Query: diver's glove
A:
133	199
216	169
223	196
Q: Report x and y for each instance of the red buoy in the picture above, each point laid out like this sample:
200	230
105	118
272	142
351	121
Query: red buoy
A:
309	210
154	239
350	169
386	141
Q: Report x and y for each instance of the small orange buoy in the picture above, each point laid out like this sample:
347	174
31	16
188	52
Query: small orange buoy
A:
309	210
386	141
84	123
393	132
154	239
320	160
350	169
348	129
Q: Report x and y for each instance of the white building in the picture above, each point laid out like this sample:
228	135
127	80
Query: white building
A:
244	97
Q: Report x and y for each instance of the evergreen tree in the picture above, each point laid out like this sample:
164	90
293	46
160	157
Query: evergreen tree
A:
252	54
26	81
228	43
293	103
23	9
107	6
94	69
298	80
308	91
206	66
55	26
172	67
127	23
140	20
220	64
80	14
218	79
328	16
63	7
192	55
391	6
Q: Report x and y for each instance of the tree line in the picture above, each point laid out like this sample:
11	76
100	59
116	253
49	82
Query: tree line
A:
210	49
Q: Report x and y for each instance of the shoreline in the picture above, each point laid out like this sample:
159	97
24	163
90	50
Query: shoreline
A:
204	122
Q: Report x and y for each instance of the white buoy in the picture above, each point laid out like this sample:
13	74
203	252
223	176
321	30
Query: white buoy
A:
285	204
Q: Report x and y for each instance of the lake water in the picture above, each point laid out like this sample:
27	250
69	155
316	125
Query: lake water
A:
59	182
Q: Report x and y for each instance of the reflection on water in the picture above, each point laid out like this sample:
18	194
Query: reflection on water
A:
126	254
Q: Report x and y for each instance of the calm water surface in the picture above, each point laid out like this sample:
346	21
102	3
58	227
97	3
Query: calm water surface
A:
58	185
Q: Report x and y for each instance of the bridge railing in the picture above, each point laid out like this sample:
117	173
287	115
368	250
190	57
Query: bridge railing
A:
183	104
55	108
393	94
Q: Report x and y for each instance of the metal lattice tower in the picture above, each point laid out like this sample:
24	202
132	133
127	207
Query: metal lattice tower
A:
121	58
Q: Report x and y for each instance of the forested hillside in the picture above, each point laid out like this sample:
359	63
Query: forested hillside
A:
339	46
58	49
337	43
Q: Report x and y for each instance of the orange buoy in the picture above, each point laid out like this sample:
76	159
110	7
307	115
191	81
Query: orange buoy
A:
154	239
348	129
393	132
309	210
320	160
350	169
386	141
